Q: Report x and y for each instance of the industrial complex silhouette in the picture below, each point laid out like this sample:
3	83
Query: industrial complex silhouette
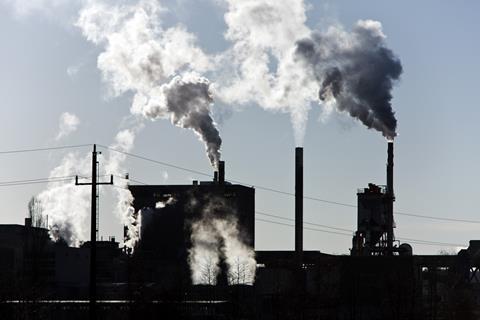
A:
191	258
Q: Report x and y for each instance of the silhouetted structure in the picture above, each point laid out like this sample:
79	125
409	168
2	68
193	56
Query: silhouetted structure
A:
167	213
379	280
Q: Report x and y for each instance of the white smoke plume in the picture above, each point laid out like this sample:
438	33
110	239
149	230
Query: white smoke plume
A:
215	236
114	165
260	64
160	66
68	123
68	205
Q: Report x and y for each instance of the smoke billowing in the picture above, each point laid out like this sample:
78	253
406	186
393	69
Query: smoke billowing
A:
186	101
68	205
217	239
356	71
160	66
114	164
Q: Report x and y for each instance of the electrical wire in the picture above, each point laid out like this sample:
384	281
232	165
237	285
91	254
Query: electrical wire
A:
34	181
415	241
44	149
288	193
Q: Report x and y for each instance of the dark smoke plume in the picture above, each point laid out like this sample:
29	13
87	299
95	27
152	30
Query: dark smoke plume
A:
189	101
355	70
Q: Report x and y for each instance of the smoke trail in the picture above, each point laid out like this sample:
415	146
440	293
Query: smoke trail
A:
186	100
260	66
356	71
68	205
215	236
159	66
124	142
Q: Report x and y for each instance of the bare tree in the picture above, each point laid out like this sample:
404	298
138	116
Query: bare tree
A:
209	272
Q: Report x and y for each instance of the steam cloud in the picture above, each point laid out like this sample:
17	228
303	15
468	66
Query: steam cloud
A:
159	66
356	71
124	142
215	238
67	205
282	65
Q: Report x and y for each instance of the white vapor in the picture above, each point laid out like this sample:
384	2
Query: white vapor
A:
217	236
68	123
264	71
160	66
68	205
114	165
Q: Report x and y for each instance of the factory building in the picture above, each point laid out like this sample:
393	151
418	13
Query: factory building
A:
167	215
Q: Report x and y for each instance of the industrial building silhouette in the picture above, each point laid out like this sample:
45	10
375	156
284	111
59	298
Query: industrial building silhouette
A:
380	279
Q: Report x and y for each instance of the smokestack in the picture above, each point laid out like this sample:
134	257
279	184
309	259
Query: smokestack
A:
390	169
390	198
299	204
221	172
215	176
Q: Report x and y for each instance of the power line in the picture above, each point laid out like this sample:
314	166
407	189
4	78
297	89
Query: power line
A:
288	193
415	241
304	222
44	149
34	181
156	161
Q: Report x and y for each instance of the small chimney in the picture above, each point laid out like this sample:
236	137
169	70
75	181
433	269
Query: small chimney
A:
215	176
299	204
221	172
28	222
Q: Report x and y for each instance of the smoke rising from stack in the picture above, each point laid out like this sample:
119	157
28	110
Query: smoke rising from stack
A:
356	71
186	101
160	66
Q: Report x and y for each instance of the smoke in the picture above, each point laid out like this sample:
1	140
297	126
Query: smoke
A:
260	66
216	238
160	66
277	62
355	71
68	205
68	123
186	101
114	164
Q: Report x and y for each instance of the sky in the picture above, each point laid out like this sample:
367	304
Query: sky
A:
53	93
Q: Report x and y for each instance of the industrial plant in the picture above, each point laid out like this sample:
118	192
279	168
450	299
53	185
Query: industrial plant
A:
193	257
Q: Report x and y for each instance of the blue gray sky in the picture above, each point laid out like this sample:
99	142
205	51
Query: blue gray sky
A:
48	67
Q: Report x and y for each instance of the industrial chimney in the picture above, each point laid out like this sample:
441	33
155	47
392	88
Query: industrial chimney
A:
221	172
299	204
390	198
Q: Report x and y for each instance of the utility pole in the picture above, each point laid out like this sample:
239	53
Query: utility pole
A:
93	231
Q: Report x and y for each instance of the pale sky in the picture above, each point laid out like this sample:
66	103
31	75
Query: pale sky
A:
48	68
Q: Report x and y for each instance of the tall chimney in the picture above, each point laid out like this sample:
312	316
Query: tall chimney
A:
299	204
390	168
221	172
390	198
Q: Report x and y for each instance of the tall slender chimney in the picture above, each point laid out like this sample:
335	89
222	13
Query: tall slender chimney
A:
221	172
299	204
390	198
390	168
